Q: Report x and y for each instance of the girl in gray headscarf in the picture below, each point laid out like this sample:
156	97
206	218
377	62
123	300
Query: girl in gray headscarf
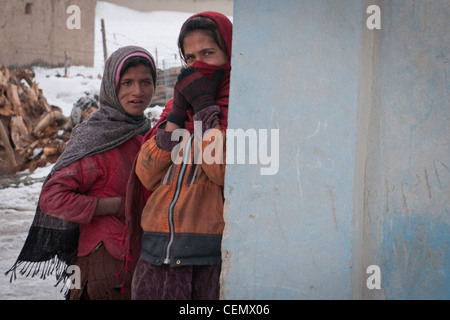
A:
80	216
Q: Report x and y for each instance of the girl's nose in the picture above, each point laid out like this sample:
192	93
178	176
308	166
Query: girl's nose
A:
137	90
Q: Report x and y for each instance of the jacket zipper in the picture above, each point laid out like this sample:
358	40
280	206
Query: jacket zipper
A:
186	156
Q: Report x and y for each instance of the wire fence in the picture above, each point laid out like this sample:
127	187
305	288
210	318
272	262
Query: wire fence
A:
167	60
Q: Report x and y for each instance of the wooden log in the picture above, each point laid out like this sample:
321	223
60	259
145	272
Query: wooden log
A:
50	150
22	74
4	76
45	103
47	120
30	148
34	162
5	108
18	132
7	145
32	94
7	112
35	89
13	96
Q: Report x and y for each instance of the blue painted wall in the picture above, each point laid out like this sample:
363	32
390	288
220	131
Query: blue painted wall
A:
407	220
363	176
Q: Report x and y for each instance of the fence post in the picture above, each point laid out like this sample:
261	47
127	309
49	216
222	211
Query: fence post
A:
165	80
105	53
66	64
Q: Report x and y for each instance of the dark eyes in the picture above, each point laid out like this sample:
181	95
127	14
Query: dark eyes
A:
129	83
205	53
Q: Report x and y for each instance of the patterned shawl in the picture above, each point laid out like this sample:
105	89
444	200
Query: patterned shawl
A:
52	243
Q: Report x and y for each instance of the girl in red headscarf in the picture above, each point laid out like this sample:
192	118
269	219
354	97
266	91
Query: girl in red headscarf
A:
182	221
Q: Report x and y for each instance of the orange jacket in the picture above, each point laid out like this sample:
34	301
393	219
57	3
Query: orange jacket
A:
183	218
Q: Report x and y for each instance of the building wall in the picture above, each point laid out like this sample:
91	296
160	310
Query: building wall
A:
407	181
364	160
35	32
194	6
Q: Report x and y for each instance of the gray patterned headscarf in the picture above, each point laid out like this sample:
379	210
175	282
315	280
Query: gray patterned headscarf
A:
111	125
52	243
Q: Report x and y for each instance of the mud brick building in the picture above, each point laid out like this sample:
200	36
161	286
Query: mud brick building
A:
34	32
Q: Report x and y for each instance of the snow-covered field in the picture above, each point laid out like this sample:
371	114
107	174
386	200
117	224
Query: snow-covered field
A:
157	32
17	205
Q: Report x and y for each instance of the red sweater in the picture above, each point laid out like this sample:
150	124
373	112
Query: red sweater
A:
72	194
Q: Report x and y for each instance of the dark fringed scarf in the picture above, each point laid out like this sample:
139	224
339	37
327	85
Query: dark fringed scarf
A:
52	244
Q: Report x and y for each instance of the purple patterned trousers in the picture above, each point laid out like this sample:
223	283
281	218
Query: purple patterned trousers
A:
175	283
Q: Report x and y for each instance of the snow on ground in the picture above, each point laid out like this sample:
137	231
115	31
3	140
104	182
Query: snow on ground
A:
63	92
17	206
157	32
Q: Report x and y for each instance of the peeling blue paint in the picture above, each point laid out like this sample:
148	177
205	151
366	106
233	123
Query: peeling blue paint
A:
415	256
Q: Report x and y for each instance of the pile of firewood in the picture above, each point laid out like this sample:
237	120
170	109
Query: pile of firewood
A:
32	133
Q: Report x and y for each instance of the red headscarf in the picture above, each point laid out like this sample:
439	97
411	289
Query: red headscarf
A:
226	29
